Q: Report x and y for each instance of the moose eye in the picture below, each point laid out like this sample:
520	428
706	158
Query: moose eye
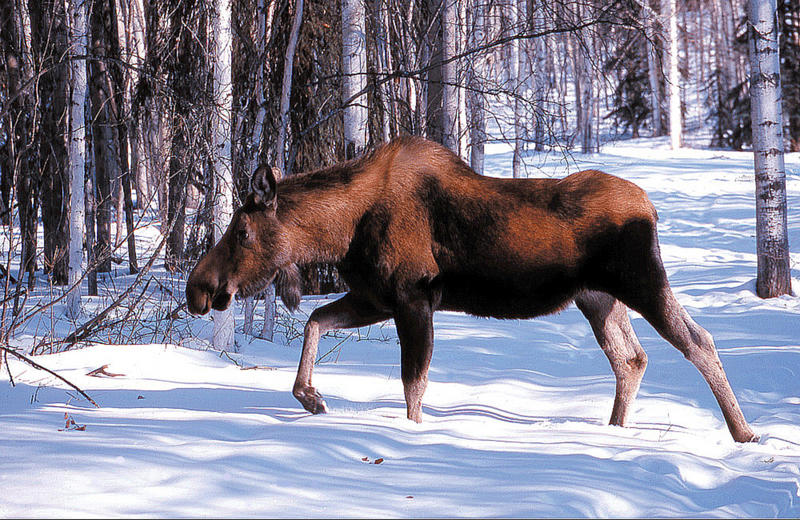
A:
243	236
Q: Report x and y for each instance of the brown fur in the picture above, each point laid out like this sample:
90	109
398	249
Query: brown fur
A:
414	230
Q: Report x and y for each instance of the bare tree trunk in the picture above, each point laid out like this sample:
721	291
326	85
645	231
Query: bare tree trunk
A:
49	45
539	71
385	67
223	335
354	80
653	69
119	201
517	16
127	195
18	122
189	35
103	131
286	88
477	72
772	241
266	15
669	12
432	58
449	75
90	197
124	191
77	149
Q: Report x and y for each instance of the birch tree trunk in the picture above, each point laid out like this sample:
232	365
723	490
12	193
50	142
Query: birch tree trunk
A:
669	11
382	37
539	71
587	98
517	14
653	69
266	13
476	99
772	242
449	75
461	43
354	80
223	334
77	149
286	88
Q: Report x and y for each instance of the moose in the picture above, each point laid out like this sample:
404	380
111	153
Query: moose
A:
414	230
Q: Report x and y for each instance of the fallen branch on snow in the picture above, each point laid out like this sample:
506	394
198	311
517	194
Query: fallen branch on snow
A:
34	364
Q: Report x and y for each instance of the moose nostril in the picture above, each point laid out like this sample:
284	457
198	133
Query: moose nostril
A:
221	301
198	301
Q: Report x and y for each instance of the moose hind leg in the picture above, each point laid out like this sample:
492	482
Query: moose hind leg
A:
346	312
675	325
415	330
613	331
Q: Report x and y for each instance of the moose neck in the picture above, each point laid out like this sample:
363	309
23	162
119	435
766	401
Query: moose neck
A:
321	209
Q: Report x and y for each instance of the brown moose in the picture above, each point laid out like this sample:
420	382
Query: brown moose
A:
414	230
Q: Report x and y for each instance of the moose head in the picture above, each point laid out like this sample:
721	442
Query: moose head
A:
252	252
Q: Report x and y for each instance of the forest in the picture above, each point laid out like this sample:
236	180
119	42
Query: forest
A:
129	131
168	107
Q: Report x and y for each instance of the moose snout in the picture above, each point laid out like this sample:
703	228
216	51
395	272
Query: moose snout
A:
202	297
198	300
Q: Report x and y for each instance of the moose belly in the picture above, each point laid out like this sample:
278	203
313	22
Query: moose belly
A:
516	295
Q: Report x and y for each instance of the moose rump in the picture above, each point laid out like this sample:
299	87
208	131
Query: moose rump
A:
414	230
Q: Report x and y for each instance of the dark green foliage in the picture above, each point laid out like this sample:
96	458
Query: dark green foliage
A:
731	109
789	15
732	114
631	105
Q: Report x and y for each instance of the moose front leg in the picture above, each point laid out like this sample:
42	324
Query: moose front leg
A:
346	312
415	329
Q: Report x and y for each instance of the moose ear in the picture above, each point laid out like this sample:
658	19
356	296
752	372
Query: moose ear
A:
263	184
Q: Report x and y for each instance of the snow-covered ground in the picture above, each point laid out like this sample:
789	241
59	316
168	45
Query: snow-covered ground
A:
515	416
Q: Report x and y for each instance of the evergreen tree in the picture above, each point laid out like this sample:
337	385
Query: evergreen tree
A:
789	15
631	107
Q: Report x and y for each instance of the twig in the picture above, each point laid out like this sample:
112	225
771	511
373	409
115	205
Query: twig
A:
37	366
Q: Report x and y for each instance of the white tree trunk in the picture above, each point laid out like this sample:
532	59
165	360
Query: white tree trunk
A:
517	14
772	242
268	330
223	335
653	69
77	150
385	68
587	99
539	71
476	98
286	88
669	12
354	81
449	75
461	44
266	14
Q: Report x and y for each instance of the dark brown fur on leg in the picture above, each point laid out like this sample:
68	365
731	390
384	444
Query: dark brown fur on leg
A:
415	329
612	328
346	312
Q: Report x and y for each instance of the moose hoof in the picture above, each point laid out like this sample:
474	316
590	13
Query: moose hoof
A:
311	399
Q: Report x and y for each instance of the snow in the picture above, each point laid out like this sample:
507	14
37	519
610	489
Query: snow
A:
515	416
